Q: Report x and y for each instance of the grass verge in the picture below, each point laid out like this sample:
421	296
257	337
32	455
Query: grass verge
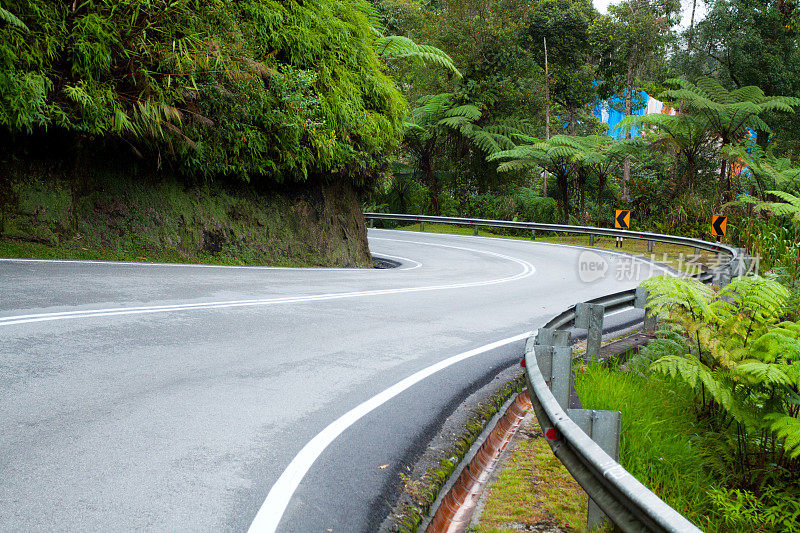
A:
662	441
35	250
533	491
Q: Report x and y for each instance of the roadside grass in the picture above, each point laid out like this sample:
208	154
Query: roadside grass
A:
681	258
34	250
533	490
662	443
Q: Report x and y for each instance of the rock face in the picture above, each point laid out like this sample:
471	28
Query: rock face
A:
310	224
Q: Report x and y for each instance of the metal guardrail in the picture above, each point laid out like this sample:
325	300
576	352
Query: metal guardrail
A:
629	504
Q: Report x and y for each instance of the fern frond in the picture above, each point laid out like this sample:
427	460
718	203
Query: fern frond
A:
468	111
517	164
400	47
668	293
10	18
788	428
760	373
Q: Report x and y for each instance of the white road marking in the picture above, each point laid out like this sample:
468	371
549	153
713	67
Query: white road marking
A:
271	511
527	270
417	264
201	265
625	255
171	265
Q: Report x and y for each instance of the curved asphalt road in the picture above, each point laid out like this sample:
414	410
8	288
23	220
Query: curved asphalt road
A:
175	397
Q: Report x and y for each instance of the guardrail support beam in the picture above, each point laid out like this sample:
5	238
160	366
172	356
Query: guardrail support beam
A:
533	234
590	317
603	427
555	364
591	240
650	318
650	247
476	230
422	225
553	337
741	265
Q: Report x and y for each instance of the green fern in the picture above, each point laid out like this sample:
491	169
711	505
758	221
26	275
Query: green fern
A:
10	18
787	428
670	295
400	47
757	372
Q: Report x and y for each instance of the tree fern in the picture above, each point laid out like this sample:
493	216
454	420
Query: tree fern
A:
400	47
788	428
760	373
669	295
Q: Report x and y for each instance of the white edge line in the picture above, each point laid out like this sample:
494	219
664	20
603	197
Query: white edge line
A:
271	511
527	270
417	264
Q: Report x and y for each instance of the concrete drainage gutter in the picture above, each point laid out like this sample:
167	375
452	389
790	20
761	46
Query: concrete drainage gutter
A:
459	497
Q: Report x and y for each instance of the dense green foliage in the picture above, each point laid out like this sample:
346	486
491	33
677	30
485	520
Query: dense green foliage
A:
733	135
676	454
257	89
737	350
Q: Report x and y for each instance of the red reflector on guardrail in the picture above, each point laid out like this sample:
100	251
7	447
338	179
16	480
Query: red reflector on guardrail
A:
551	433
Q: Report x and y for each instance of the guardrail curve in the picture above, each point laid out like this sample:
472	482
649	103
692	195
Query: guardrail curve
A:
627	502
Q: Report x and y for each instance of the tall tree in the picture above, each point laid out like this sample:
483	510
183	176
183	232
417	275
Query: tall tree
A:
752	42
568	159
635	36
557	34
685	134
441	125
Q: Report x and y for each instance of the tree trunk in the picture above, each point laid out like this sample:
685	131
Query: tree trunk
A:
626	171
725	175
426	166
563	185
691	27
582	179
722	182
600	187
547	111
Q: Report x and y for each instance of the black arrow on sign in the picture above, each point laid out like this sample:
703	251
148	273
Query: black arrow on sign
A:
621	219
717	225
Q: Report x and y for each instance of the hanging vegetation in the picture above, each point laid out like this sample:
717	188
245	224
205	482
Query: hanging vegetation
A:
257	89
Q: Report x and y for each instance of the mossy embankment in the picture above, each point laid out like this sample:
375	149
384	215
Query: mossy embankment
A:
47	212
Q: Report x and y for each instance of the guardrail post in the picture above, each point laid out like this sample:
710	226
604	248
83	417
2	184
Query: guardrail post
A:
722	276
591	240
742	265
650	247
650	318
590	317
555	364
553	337
603	427
476	230
533	234
422	225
